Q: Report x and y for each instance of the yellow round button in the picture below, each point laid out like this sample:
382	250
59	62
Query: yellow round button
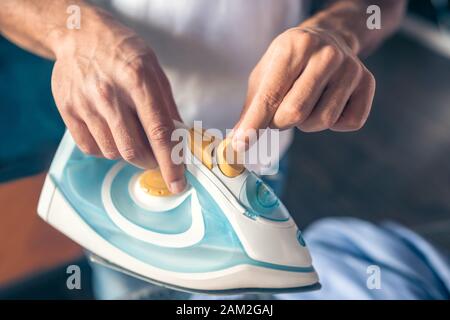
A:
152	182
227	160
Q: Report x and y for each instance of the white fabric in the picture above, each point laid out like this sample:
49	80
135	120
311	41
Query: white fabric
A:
208	48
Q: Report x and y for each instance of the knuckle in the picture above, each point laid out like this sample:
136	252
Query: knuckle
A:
369	78
91	116
69	110
111	154
285	38
320	123
134	72
160	134
271	100
332	53
107	146
88	148
353	67
130	154
66	107
300	34
279	40
292	31
295	116
104	90
116	120
326	120
308	39
307	127
283	46
355	123
136	64
328	117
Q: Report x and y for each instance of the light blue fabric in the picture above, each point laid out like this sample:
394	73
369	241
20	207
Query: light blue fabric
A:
344	248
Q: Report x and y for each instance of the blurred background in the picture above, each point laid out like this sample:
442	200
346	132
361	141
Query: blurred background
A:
396	168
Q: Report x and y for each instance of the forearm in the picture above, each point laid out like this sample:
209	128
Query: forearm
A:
348	19
41	26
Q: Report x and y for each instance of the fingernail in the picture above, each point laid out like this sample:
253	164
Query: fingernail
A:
178	186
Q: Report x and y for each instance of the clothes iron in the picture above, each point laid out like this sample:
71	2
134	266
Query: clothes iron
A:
226	233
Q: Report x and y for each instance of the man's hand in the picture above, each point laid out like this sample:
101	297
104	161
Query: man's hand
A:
311	77
107	83
115	99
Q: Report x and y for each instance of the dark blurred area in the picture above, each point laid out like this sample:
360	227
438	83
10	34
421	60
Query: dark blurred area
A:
435	11
396	168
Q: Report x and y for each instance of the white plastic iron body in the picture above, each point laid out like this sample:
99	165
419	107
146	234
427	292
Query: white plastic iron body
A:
222	235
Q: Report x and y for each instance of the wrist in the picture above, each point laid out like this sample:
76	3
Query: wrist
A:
344	21
94	24
346	40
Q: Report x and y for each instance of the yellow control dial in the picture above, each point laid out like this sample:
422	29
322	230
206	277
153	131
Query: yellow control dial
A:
228	160
152	182
201	146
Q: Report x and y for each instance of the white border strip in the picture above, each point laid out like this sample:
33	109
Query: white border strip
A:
188	238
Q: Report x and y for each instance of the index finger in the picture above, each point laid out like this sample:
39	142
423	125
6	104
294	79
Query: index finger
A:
158	126
275	80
